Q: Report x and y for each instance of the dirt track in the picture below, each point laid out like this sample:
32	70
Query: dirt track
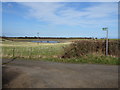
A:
39	74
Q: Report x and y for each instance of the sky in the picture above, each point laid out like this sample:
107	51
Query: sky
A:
59	19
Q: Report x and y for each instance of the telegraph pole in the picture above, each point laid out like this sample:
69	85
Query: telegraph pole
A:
106	29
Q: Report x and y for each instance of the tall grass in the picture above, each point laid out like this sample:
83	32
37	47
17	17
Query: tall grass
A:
32	50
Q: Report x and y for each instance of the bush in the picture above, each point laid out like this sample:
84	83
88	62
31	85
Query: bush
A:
83	47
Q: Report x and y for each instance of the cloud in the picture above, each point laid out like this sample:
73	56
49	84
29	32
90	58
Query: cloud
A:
102	10
61	14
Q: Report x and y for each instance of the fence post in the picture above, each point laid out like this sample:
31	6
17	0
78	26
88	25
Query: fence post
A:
13	52
30	52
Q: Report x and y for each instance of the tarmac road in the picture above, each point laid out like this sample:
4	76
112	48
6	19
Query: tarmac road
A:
39	74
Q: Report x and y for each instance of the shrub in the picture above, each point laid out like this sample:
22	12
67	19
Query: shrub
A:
83	47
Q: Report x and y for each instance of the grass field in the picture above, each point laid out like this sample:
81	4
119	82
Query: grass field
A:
49	52
32	50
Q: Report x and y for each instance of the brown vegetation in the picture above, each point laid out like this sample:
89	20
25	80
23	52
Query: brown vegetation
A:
83	47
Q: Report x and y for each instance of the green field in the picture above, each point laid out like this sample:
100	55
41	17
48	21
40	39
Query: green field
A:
49	52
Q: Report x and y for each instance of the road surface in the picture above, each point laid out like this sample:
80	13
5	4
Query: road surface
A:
40	74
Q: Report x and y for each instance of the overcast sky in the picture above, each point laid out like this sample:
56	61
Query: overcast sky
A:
60	19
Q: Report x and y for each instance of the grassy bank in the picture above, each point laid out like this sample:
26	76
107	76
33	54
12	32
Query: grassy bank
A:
50	52
90	59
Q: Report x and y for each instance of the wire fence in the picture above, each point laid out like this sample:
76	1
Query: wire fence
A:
31	52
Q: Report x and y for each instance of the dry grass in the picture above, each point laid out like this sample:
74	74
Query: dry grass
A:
31	49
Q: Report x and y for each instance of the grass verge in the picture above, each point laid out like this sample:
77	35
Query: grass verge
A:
89	59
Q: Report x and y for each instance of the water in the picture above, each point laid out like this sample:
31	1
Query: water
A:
47	41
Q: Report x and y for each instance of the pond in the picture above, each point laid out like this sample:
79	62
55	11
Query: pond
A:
46	41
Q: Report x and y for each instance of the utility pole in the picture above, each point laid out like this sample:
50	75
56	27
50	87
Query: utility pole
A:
106	29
